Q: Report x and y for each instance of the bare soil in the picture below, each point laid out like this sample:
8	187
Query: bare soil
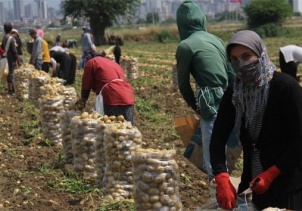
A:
25	186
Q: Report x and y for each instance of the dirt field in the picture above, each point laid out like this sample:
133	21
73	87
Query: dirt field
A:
33	175
26	175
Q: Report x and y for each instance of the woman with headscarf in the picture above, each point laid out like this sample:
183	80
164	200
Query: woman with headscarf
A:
107	78
19	44
265	107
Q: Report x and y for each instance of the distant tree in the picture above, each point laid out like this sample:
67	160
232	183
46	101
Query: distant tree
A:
152	17
101	14
141	21
262	12
170	19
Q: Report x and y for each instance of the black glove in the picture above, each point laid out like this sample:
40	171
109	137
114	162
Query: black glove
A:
85	94
80	104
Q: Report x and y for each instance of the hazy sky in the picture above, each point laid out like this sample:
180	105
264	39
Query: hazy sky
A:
51	3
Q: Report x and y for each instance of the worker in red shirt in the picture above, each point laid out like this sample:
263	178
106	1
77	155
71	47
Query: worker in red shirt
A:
106	78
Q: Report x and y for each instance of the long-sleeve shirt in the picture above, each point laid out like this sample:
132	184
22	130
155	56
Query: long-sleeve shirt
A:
87	44
279	141
12	53
45	52
101	72
203	56
37	49
19	45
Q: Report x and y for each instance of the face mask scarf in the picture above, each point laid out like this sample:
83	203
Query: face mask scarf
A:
247	71
251	89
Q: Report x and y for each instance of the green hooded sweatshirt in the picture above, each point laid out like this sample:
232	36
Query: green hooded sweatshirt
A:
202	55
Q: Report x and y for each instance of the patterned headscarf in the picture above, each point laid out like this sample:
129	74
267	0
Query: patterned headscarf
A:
250	100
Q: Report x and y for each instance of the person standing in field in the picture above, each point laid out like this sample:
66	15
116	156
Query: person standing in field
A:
40	32
36	54
45	57
115	50
58	40
265	107
45	52
203	56
290	56
19	44
11	53
87	45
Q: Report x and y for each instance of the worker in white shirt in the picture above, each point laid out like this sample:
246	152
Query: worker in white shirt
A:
290	56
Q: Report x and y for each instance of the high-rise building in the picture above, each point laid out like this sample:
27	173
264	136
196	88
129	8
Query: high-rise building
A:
154	5
31	10
18	9
1	12
142	11
51	13
44	9
175	5
39	8
297	6
166	10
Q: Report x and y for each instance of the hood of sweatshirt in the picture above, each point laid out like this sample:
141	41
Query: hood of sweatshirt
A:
190	18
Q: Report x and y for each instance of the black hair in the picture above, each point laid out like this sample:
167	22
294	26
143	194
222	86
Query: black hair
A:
91	54
7	27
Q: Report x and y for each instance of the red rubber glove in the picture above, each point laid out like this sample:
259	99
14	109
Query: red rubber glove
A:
263	181
226	193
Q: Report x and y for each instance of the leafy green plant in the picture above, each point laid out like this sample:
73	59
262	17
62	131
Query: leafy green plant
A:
185	178
261	12
165	35
72	185
193	198
49	168
46	168
32	125
268	30
145	109
46	142
27	191
120	205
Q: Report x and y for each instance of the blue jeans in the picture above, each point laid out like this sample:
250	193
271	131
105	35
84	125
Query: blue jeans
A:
206	133
82	60
81	63
38	64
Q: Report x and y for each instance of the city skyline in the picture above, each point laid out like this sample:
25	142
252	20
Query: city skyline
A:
45	10
20	10
51	3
